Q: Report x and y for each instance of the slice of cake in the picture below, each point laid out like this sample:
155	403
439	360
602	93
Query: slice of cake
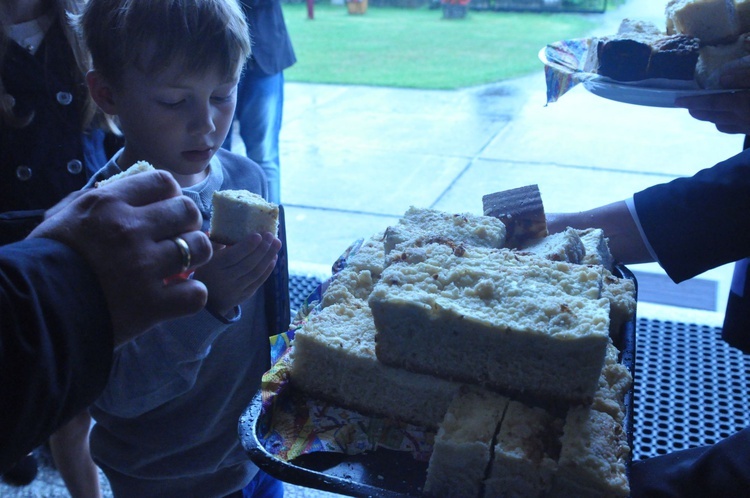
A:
561	246
138	167
615	381
525	453
420	226
238	213
369	256
522	212
532	453
461	453
619	58
711	21
593	458
493	318
621	294
333	358
626	55
641	51
714	59
596	248
673	57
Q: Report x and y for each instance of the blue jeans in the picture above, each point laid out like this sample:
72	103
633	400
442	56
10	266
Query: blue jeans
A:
260	100
263	486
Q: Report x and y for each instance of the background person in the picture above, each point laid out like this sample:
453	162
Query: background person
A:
50	139
688	226
260	94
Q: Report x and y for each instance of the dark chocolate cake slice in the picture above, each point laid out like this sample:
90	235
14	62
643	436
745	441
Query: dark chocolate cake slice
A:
674	57
622	59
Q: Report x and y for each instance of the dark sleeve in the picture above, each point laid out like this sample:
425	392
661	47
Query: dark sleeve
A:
56	342
699	223
17	225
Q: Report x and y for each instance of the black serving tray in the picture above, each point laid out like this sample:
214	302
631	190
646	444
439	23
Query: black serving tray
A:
381	472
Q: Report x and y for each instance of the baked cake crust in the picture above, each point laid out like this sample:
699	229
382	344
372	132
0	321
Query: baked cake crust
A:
463	445
414	335
238	213
495	319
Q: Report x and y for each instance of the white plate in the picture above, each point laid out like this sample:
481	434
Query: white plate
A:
652	93
642	95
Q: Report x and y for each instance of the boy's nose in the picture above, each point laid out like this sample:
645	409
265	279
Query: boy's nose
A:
202	121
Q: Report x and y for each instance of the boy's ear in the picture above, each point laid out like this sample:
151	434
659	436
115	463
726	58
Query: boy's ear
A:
101	92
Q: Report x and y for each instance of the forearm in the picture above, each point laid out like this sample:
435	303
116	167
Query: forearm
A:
625	241
56	347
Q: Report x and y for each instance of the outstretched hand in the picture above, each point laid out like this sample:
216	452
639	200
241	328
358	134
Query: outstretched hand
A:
236	272
125	231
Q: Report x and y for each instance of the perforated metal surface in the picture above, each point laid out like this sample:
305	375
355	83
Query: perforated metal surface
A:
691	388
300	286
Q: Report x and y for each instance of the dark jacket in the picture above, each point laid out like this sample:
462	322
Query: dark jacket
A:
43	162
702	222
272	47
56	342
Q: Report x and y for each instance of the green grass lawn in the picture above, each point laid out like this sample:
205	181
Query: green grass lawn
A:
417	48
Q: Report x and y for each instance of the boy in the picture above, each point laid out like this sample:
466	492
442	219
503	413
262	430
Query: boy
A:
167	422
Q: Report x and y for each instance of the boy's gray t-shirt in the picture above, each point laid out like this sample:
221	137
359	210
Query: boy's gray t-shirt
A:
166	425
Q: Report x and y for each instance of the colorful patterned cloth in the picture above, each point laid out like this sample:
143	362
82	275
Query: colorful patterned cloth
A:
563	66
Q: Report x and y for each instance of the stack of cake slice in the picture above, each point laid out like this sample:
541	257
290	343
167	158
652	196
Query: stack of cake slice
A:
490	446
436	309
493	317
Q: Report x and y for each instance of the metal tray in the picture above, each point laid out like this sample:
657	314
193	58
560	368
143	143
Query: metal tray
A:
382	472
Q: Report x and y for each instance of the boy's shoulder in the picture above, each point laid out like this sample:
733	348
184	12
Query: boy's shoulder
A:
239	169
241	172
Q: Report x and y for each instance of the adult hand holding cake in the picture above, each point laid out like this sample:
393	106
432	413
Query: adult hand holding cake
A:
243	229
729	111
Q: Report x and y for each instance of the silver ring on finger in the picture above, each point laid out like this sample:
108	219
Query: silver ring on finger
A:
184	252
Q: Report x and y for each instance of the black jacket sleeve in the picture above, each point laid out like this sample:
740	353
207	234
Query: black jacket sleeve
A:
699	223
56	342
17	225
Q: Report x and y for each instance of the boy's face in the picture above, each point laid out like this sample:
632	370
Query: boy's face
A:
175	121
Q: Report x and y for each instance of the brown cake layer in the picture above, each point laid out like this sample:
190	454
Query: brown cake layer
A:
674	57
522	212
629	59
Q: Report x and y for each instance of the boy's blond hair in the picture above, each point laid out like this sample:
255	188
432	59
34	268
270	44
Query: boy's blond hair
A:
151	35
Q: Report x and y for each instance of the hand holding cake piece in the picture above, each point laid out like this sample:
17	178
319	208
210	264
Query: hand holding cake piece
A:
138	167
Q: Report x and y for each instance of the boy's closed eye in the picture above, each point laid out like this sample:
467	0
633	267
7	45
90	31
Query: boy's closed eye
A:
171	104
221	99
